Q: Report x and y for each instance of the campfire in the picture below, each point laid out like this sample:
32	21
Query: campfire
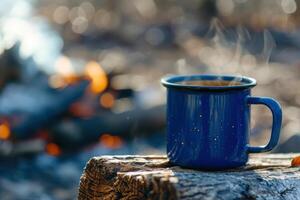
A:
80	79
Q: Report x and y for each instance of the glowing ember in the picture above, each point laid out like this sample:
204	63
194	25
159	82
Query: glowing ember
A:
81	110
43	134
110	141
98	77
107	100
53	149
4	131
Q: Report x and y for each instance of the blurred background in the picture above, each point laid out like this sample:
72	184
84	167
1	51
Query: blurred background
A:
81	78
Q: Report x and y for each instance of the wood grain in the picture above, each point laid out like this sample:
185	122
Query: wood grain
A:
267	176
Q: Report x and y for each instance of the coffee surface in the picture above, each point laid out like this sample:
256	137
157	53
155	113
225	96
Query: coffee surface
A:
210	83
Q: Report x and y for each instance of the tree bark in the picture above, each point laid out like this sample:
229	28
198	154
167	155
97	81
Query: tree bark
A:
267	176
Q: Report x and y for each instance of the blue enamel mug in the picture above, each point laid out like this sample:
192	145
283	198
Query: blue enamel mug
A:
208	125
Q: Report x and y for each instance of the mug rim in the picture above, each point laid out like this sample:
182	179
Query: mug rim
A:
172	82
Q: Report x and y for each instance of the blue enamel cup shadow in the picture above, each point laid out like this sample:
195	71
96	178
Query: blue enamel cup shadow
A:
208	126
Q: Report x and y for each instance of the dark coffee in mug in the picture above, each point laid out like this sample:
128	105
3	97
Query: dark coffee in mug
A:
211	83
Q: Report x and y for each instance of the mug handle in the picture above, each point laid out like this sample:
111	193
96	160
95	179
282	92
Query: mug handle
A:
275	108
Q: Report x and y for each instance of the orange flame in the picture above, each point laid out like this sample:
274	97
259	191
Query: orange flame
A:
98	77
65	73
110	141
53	149
4	131
107	100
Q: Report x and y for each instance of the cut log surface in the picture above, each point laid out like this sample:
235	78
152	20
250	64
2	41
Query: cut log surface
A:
267	176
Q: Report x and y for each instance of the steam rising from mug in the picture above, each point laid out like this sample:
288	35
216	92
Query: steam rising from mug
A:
226	52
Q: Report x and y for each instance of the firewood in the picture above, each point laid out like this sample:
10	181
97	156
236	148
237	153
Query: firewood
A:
74	133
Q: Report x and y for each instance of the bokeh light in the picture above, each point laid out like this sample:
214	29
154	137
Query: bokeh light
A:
97	76
61	14
107	100
4	131
110	141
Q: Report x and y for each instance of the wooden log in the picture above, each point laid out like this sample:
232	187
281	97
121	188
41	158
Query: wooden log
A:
267	176
74	133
